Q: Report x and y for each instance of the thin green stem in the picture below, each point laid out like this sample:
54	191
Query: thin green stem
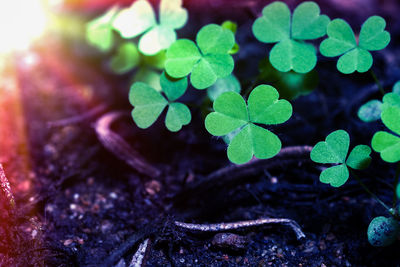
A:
396	181
377	82
369	191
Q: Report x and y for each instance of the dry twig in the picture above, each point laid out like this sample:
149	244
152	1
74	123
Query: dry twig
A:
5	187
138	257
121	149
242	224
79	118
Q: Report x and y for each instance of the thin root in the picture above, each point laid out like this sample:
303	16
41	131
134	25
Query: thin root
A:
121	149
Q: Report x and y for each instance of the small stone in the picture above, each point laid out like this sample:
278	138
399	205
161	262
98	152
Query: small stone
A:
68	242
153	187
230	241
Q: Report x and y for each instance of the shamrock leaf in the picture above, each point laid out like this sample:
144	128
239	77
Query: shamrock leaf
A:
148	103
205	62
342	42
386	143
127	58
222	85
276	25
232	26
99	31
371	111
334	150
232	114
140	18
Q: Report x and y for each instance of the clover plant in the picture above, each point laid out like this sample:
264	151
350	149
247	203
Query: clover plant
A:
148	103
334	150
206	60
99	31
371	111
277	25
243	124
232	113
140	18
388	144
355	56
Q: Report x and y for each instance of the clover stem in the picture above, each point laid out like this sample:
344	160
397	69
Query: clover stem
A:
369	191
396	181
378	83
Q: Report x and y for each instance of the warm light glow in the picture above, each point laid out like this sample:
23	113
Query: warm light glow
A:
21	22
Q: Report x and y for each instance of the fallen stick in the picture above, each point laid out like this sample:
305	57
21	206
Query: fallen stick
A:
217	227
5	187
287	156
138	257
121	149
79	118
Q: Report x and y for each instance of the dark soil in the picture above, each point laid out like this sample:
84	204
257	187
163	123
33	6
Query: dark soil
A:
86	204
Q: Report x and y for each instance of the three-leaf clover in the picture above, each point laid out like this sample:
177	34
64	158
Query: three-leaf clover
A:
355	56
205	62
276	25
99	31
371	111
232	114
388	144
334	150
140	18
148	103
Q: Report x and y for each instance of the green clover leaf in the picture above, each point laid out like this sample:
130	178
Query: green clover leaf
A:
386	143
126	59
334	151
371	111
205	62
232	26
148	103
342	42
99	31
140	18
222	85
276	25
232	114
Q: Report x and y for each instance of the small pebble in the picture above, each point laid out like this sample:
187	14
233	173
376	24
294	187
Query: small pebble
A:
230	241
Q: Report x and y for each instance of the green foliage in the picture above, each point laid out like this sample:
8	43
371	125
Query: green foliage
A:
334	151
126	58
383	231
222	85
99	31
148	103
205	62
289	32
232	26
140	18
290	85
371	111
388	144
355	56
231	113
